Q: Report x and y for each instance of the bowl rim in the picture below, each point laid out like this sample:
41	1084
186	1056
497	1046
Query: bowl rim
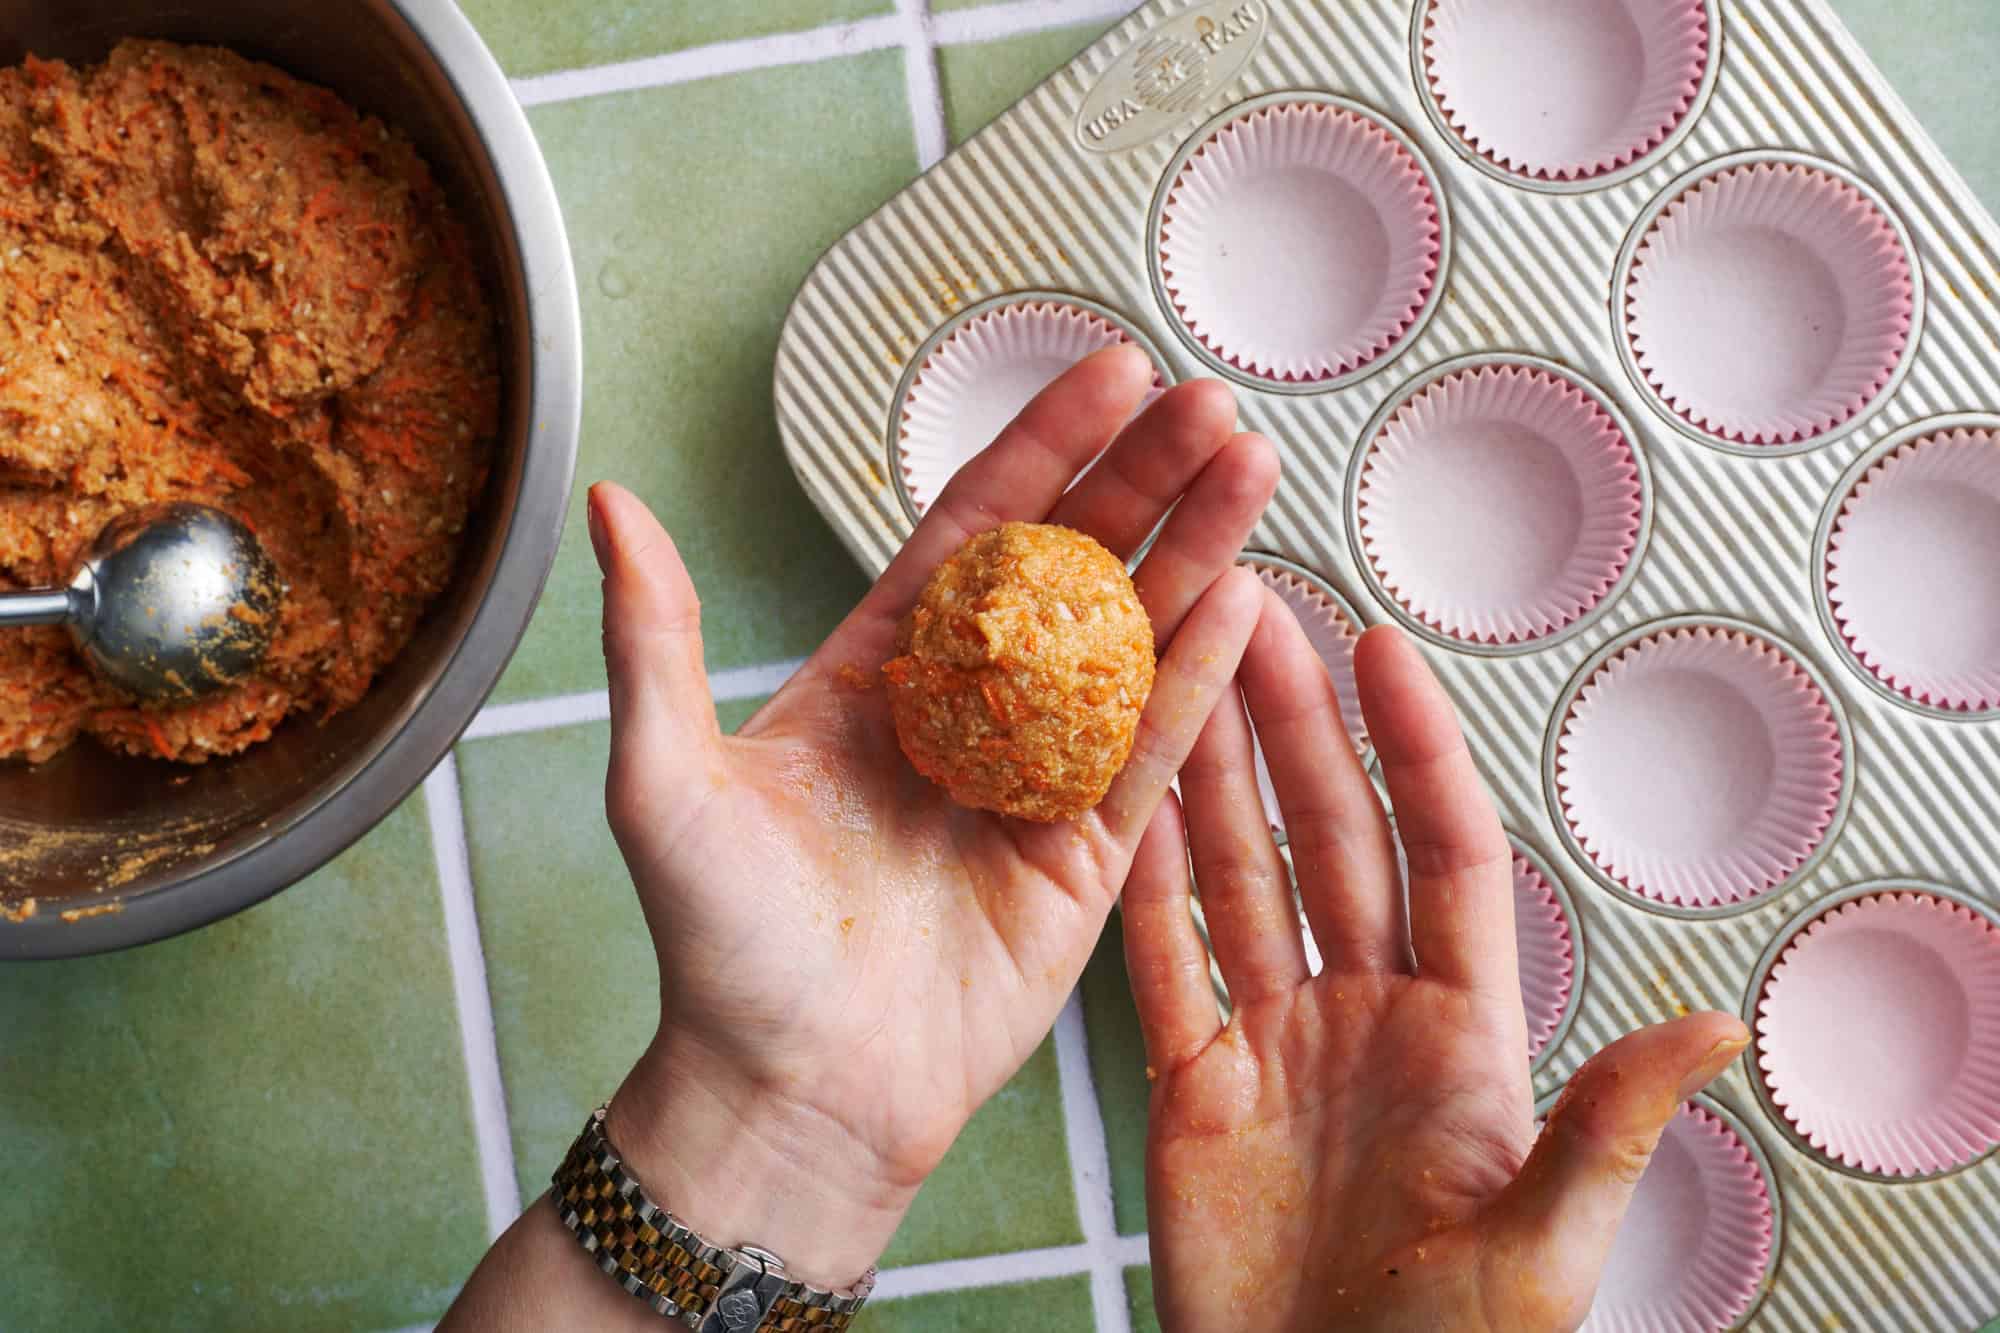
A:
432	723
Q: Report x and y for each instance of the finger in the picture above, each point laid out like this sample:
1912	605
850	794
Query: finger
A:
1341	847
1564	1208
660	703
1164	955
1461	868
1205	533
1153	460
652	626
1199	666
1020	476
1246	894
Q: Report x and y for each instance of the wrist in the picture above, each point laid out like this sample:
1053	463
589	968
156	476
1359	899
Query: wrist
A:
742	1165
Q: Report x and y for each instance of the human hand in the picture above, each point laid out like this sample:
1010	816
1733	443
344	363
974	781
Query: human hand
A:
1353	1150
850	964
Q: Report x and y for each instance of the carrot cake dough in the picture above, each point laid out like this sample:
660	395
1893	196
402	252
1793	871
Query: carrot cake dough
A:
1024	667
222	285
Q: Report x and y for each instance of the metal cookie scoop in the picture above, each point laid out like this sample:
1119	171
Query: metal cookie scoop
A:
171	602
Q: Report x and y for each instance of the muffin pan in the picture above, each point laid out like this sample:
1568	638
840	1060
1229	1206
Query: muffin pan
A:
1653	384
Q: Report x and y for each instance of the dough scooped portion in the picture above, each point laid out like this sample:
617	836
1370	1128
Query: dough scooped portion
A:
1022	672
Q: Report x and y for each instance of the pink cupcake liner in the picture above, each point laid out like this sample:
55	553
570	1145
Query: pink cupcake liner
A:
977	380
1700	767
1770	303
1300	242
1878	1034
1333	635
1500	504
1565	92
1695	1246
1547	950
1910	571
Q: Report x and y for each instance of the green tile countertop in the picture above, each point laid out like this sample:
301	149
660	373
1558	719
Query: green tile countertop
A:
249	1095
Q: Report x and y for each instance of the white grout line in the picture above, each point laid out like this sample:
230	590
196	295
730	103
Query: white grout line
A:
832	42
475	1003
920	77
754	682
991	1270
1133	1251
990	22
563	710
707	62
569	710
1090	1169
994	1270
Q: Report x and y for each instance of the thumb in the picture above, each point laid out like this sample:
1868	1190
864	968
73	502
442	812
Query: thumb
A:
662	716
1564	1209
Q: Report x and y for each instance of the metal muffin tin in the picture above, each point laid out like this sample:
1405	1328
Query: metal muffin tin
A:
1057	196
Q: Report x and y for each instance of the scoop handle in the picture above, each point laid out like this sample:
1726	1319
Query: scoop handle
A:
37	608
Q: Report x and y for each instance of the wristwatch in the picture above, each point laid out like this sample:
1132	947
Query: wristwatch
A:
657	1258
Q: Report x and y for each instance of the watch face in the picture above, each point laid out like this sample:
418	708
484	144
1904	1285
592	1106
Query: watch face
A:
739	1311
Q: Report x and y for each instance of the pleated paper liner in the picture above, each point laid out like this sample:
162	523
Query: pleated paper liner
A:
979	376
1770	303
1697	1242
1565	92
1334	629
1878	1034
1913	571
1546	946
1499	504
1700	766
1300	242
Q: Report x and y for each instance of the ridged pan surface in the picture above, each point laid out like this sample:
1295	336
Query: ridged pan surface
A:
1060	198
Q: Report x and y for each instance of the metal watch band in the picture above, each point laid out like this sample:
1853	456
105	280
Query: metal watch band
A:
656	1258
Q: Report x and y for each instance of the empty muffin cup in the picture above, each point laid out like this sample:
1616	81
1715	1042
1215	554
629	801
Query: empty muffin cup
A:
1499	504
1696	1244
1546	946
1300	242
1878	1034
1333	630
1910	571
1700	766
975	379
1770	303
1565	92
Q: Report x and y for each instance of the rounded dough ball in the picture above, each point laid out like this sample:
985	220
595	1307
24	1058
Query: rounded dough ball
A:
1023	669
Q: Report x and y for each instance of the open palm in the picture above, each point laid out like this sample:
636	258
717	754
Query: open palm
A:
872	962
1357	1150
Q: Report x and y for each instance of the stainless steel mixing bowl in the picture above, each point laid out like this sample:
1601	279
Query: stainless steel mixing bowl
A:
176	848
